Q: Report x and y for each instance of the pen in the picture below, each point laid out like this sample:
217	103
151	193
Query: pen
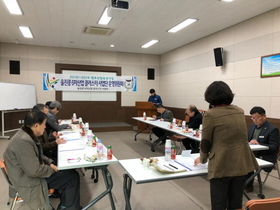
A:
168	167
173	166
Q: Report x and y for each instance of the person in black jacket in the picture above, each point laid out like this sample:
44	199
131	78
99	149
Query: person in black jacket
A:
264	133
195	121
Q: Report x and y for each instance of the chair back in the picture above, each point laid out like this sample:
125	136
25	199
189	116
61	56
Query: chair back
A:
5	172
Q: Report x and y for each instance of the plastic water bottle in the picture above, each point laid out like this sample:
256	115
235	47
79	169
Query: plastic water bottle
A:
144	115
183	125
86	126
168	150
74	117
99	148
174	122
89	137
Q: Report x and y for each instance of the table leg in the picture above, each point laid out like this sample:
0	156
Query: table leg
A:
109	185
257	173
140	132
127	190
153	144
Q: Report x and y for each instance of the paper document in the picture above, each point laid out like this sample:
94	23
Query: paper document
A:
71	145
70	135
189	164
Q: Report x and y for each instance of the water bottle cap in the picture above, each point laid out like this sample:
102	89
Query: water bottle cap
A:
99	140
168	143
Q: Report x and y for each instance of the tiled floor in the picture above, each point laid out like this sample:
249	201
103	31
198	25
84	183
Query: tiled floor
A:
181	194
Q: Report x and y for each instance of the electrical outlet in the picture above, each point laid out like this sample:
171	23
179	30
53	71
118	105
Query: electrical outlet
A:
19	121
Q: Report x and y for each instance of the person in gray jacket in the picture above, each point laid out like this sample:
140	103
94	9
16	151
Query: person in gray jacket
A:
32	173
52	122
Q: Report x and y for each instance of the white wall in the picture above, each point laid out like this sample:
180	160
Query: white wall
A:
36	60
188	70
182	75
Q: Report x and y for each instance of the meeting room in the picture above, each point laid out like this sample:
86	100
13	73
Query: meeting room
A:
139	104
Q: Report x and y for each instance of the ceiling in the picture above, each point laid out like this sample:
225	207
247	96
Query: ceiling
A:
60	23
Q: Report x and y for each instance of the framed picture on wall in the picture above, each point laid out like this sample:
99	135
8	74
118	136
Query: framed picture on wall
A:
270	66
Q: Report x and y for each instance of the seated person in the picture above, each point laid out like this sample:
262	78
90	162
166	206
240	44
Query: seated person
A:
52	122
165	115
154	98
31	173
194	122
48	103
264	133
49	143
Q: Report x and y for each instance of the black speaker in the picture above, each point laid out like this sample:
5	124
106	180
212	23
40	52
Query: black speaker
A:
151	74
218	52
14	67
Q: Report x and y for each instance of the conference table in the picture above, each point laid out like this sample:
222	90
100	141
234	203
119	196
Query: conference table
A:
140	174
178	130
75	153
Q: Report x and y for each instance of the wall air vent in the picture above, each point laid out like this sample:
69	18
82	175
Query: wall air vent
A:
97	31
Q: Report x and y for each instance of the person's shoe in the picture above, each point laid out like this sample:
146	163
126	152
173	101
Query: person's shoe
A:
249	188
61	207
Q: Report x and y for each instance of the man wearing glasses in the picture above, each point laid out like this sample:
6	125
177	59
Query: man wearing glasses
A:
264	133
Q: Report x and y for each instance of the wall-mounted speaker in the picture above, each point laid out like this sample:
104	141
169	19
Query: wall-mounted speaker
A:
14	67
151	74
218	53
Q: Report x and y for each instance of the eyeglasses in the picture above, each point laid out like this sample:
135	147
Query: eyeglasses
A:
255	118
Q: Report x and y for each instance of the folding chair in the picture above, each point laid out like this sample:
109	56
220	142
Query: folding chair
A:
174	140
17	197
5	173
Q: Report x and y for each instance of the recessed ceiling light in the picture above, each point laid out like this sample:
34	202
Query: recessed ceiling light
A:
13	7
25	32
112	45
227	0
150	43
182	25
105	19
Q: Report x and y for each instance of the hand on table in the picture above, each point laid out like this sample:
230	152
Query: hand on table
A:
56	134
254	142
54	167
60	141
197	161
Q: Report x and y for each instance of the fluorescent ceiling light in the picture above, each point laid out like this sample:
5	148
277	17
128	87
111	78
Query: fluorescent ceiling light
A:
150	43
13	7
182	25
105	19
25	32
227	0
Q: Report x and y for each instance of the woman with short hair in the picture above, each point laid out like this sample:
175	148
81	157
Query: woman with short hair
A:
224	144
